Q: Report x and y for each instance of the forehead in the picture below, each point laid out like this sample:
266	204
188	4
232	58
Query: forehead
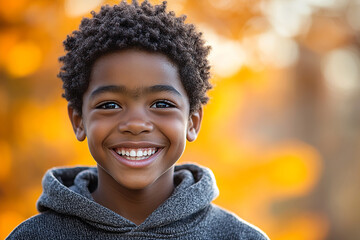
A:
134	69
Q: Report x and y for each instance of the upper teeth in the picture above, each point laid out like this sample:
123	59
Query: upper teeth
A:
135	152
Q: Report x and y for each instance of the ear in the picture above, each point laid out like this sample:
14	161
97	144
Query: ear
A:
194	125
77	123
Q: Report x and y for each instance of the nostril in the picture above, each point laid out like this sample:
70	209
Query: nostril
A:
136	126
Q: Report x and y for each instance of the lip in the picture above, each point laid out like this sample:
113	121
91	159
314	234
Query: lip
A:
136	163
136	145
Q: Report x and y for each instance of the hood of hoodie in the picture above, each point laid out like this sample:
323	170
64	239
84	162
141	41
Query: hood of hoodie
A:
67	191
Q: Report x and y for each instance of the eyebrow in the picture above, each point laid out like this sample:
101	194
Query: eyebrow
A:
122	89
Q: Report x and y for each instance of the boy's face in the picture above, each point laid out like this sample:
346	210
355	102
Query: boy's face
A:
136	105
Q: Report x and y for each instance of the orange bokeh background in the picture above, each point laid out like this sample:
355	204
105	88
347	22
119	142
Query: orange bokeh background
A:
280	131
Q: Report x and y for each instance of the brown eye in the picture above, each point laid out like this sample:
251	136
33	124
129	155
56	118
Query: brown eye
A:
108	105
162	104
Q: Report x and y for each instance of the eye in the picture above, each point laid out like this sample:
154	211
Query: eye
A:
108	105
162	104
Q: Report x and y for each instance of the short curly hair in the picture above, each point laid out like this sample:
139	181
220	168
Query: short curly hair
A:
140	26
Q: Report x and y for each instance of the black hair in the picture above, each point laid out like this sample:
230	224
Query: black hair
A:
140	26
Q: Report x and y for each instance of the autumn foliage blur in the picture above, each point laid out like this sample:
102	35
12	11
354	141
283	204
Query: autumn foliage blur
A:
280	132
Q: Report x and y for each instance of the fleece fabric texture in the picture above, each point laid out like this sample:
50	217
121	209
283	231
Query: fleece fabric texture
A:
68	211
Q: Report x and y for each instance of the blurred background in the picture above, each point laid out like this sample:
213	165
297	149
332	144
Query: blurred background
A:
281	131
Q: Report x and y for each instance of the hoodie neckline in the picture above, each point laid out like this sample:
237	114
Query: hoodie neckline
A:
67	191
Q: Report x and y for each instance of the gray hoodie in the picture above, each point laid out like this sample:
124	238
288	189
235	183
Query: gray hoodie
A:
68	211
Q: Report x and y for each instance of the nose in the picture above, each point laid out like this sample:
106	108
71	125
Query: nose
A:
135	123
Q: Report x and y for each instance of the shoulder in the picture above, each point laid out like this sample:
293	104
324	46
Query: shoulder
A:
46	225
229	225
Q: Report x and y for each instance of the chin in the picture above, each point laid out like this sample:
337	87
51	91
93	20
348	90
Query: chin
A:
135	183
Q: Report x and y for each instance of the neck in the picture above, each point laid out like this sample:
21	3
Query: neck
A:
133	204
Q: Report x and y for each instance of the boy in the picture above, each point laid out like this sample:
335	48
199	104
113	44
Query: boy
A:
135	77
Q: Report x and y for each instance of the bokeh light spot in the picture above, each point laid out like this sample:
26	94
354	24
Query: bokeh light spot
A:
293	169
276	50
24	59
289	18
341	69
227	56
74	8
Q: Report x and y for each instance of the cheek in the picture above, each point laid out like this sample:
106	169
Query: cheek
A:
174	129
99	126
96	134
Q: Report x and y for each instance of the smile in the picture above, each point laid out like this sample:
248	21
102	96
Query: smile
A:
135	153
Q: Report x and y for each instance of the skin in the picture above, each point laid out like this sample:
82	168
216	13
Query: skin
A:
125	107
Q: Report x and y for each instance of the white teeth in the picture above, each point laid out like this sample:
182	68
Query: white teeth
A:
139	153
135	154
